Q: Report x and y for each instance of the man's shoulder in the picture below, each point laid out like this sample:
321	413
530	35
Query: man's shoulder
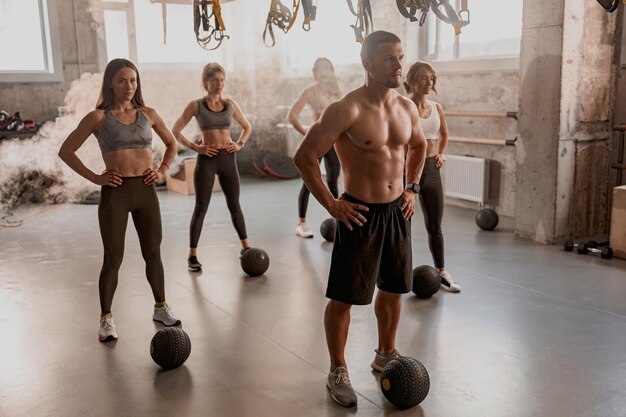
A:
350	101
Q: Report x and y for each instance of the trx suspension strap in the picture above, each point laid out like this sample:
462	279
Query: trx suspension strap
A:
409	8
164	13
609	5
205	33
447	14
310	10
280	16
364	21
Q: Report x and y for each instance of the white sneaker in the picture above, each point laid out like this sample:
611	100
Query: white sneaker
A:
303	230
165	315
447	283
107	329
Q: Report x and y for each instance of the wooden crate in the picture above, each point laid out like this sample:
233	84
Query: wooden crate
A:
618	222
182	181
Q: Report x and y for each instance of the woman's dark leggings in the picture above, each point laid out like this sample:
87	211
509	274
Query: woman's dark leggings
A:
331	163
431	200
224	165
141	201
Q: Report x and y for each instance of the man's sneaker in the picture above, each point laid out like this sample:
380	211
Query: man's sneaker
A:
107	329
338	382
304	231
380	361
447	283
165	315
193	263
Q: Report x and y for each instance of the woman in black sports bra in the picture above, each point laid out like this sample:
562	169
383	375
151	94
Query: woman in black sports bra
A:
216	155
123	126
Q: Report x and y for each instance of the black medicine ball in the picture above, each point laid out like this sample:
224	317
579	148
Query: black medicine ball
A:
405	382
487	219
327	229
426	281
255	262
170	347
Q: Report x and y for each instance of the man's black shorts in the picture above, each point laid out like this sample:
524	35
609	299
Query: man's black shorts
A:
379	252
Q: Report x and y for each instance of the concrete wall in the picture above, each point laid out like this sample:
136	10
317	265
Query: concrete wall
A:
488	91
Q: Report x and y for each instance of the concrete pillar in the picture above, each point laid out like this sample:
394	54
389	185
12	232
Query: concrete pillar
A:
568	69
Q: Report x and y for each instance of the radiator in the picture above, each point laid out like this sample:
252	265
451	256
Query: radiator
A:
466	178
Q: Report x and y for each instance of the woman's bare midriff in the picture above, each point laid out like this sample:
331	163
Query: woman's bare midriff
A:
219	138
128	162
432	148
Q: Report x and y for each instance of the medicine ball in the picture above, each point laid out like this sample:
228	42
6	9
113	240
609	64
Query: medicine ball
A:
170	347
487	219
405	382
255	261
426	281
328	228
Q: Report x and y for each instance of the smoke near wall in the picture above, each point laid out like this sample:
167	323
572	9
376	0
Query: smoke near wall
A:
30	169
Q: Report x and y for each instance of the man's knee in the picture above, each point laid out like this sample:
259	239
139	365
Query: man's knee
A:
338	307
388	297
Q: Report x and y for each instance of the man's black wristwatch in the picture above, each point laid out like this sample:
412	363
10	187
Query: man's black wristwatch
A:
413	187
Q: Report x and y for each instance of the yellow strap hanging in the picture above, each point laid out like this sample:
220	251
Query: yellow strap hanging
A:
295	6
217	11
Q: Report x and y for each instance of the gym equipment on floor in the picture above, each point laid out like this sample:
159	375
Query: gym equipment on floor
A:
328	228
426	281
569	246
255	261
605	252
170	347
405	382
280	166
487	219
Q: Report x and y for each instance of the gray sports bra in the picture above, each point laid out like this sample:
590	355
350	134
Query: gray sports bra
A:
209	119
115	135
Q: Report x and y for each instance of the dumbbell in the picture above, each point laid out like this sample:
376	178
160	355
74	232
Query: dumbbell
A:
569	246
605	252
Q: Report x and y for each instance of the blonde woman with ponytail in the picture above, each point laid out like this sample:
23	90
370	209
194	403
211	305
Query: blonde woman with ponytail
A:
421	80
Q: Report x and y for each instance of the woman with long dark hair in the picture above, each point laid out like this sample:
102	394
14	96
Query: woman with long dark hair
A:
216	156
421	80
123	126
317	97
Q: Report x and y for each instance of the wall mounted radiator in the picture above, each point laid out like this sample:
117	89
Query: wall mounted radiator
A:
466	178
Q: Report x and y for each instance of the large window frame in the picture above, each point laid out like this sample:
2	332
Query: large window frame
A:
128	6
52	50
457	64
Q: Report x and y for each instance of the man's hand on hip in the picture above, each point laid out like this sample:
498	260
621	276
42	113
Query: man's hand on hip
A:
347	212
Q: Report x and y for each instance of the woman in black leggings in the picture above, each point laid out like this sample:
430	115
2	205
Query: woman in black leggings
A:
216	155
123	126
325	91
421	80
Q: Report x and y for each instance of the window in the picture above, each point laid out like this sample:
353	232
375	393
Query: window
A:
493	33
330	36
33	57
181	46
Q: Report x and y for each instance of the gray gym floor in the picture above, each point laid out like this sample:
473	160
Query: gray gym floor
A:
535	332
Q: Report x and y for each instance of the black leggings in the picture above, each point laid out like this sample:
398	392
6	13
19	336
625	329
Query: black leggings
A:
431	200
141	201
331	162
224	165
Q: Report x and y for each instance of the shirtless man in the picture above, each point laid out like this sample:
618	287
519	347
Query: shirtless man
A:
369	128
